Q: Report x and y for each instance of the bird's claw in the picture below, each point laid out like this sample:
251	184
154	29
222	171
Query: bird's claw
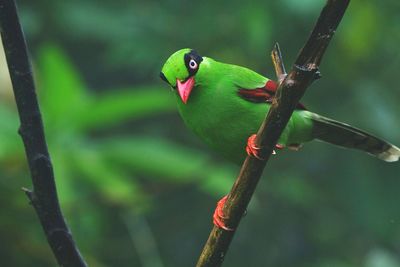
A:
253	150
219	216
279	146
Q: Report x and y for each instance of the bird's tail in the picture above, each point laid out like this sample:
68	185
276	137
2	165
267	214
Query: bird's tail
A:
344	135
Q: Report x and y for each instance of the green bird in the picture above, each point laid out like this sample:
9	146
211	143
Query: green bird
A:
225	104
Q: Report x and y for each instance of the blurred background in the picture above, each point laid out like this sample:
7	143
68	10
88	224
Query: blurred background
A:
138	189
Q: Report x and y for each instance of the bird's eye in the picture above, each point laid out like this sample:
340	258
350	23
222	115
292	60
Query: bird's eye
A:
192	64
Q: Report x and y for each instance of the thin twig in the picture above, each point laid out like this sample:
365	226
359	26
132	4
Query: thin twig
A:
44	195
276	57
292	88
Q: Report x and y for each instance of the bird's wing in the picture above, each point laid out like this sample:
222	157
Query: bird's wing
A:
255	88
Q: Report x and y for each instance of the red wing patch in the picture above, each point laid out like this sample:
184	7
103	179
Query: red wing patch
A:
259	95
263	94
271	86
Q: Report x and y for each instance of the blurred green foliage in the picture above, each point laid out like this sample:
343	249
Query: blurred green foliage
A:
138	189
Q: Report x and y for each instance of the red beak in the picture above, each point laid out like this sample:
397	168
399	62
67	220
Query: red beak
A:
185	88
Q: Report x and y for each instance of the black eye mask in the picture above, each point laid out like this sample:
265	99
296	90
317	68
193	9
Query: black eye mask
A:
196	57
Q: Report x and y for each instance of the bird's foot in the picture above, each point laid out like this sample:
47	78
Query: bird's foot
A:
219	216
253	150
279	146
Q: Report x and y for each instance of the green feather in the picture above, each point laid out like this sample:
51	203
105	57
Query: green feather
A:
224	120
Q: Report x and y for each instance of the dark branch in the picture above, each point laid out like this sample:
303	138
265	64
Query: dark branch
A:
44	196
292	88
322	33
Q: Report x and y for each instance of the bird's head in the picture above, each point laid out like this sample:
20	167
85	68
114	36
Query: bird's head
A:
180	70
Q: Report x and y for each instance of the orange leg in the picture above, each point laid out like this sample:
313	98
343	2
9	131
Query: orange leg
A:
253	150
219	217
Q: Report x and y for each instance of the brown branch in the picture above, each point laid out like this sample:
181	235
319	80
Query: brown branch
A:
276	57
44	196
292	88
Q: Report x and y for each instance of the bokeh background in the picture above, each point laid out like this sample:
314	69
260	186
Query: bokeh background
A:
138	189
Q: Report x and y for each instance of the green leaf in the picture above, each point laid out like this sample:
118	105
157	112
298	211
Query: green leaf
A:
154	156
167	161
63	94
116	106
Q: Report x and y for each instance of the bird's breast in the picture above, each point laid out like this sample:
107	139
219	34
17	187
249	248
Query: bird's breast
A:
221	119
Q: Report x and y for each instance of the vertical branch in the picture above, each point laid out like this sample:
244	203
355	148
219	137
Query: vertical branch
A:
44	195
291	89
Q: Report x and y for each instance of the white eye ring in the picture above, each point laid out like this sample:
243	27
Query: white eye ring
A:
192	64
